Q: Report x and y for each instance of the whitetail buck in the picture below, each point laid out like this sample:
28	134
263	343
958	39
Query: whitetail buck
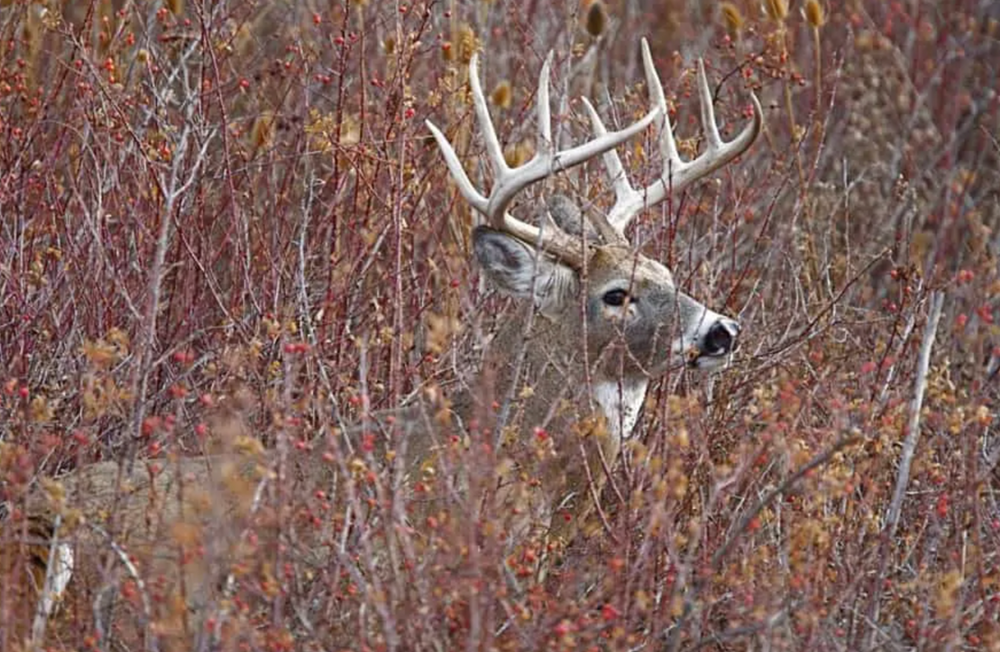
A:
606	321
590	375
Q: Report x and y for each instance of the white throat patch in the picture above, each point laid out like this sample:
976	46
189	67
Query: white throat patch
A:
621	402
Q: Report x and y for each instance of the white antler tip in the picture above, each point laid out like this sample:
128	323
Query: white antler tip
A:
595	118
703	79
545	74
438	136
758	111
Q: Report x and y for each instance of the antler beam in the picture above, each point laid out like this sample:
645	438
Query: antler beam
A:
677	174
509	181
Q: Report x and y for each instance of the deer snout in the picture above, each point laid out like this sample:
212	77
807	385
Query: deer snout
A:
720	339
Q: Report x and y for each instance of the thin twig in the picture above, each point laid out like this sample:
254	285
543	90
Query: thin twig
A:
905	460
913	429
152	644
229	584
689	601
815	462
58	571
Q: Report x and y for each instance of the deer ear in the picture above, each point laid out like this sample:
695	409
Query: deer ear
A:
520	271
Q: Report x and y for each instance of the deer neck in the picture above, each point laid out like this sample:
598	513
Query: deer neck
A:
555	372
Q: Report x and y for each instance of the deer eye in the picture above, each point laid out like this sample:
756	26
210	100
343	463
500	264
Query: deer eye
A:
615	297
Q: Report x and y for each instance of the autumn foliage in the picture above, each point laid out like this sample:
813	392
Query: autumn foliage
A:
224	226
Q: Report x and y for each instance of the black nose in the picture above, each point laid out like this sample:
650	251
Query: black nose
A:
720	338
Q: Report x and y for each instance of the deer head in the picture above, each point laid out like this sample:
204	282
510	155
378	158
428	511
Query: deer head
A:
631	301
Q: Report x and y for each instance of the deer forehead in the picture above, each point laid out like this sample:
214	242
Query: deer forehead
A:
611	264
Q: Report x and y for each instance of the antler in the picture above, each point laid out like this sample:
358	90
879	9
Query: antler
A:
677	174
509	181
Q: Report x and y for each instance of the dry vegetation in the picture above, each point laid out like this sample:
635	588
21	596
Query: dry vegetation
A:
223	226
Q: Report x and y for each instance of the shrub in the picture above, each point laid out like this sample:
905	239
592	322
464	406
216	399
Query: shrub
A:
225	226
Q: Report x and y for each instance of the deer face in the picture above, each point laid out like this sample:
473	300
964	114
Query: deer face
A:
631	304
631	300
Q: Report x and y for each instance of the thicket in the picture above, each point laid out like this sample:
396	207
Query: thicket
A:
237	204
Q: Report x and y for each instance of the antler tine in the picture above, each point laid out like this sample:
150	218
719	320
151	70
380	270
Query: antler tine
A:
668	147
677	174
465	186
546	161
707	110
616	172
490	140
